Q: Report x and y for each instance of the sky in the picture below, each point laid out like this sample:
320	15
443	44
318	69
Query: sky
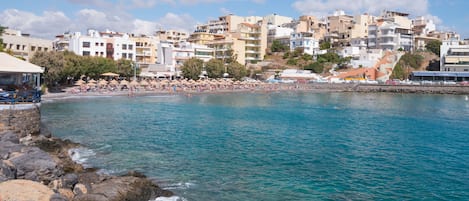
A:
47	18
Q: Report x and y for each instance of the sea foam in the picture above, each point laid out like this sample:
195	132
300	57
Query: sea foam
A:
81	155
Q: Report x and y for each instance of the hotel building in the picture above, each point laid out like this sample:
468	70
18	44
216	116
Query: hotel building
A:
23	45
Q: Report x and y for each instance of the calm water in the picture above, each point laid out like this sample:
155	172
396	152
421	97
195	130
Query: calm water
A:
292	146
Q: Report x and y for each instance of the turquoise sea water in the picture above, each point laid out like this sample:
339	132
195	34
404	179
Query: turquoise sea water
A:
279	146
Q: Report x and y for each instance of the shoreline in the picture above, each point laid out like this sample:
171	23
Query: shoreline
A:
315	88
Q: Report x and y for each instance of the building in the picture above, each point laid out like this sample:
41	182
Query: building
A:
23	45
304	41
340	28
389	35
108	44
145	49
172	36
223	24
226	46
360	26
62	42
281	34
401	19
255	41
201	37
422	26
453	56
276	20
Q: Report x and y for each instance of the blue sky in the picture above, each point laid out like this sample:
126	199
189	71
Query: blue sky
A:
47	18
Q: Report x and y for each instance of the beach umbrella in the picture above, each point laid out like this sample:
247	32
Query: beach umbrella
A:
114	83
79	82
144	83
110	74
153	83
92	81
102	83
133	83
91	84
124	82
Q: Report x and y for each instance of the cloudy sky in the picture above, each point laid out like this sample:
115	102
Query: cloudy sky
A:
47	18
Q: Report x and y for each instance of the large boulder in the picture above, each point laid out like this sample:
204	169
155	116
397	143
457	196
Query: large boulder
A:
24	190
7	147
126	188
9	136
35	164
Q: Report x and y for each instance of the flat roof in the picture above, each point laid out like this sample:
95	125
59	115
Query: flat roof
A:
440	74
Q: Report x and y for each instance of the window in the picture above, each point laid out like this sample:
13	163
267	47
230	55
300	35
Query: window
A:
86	53
86	44
130	55
96	44
124	55
45	49
39	48
102	44
131	47
33	48
124	46
18	47
96	53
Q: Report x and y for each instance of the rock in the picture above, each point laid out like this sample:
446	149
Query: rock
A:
128	188
69	180
24	190
9	136
67	193
91	197
27	140
80	189
57	197
35	164
6	148
7	171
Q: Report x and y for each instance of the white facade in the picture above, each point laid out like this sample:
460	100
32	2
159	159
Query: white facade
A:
367	58
389	36
453	56
174	57
280	34
306	41
423	26
277	20
22	45
104	44
349	51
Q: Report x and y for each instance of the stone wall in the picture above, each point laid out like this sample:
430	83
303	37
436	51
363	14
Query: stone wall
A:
23	119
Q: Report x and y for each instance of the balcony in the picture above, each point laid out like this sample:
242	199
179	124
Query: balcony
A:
252	45
387	43
249	38
252	52
252	59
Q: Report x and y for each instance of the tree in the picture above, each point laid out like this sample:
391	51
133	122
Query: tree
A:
215	68
192	68
325	45
278	47
124	68
53	62
434	46
2	29
398	72
236	70
316	67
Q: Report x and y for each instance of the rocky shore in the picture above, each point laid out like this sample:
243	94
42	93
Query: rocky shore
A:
39	167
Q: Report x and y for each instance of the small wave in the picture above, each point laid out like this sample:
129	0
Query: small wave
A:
180	185
172	198
81	155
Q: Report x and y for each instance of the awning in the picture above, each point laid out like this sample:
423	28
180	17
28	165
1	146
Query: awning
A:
11	64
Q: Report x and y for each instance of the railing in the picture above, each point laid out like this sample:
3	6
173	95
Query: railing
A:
23	96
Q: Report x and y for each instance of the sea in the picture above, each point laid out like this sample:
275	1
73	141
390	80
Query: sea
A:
278	145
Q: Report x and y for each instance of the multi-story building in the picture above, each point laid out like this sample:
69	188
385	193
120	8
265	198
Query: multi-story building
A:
308	23
23	45
304	41
389	35
145	49
226	46
223	24
281	34
340	28
109	44
401	19
422	26
172	36
255	41
62	42
454	56
276	20
201	37
360	25
444	35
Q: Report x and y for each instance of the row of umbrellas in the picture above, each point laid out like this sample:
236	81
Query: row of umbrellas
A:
225	82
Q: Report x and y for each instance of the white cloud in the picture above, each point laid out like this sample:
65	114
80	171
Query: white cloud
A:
323	7
45	26
182	22
225	11
143	3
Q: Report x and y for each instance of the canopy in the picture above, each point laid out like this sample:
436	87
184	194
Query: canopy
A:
110	74
12	64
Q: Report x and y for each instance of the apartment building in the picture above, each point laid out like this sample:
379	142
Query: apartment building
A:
225	46
172	36
23	45
201	37
401	19
340	28
389	35
422	26
62	42
281	34
308	23
454	56
108	44
304	41
224	24
145	49
360	25
255	41
276	20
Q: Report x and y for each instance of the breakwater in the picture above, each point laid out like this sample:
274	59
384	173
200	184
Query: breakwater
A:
368	88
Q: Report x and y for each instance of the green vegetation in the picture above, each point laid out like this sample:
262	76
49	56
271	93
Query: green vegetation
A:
63	67
434	46
407	63
215	68
2	29
236	70
192	68
327	59
278	47
324	45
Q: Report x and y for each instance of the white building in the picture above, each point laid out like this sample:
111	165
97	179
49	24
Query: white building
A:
106	44
277	20
389	35
367	58
305	41
453	56
423	26
281	34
